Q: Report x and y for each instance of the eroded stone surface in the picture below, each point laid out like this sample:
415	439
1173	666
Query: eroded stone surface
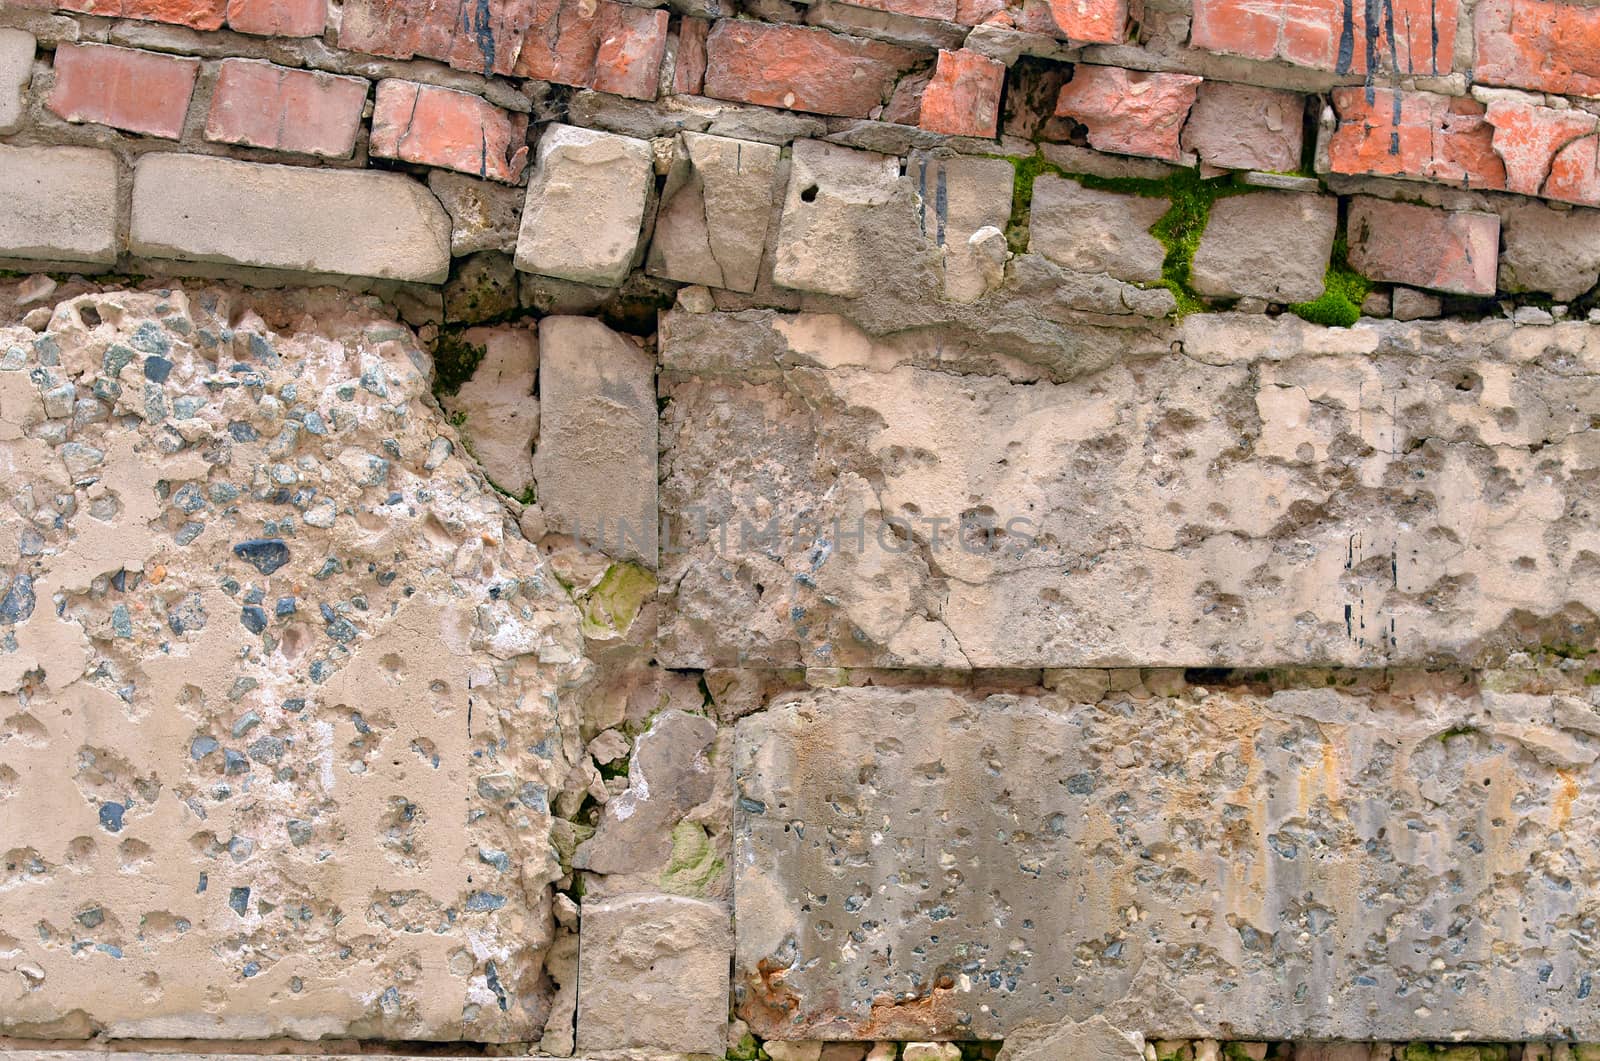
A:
61	204
711	227
1275	493
498	411
1089	230
586	201
16	70
278	669
1265	861
822	240
1271	245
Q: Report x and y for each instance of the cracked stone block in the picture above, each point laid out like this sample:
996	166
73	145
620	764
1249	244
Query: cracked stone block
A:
832	191
1094	1038
484	215
61	204
196	208
668	775
1271	245
314	778
711	227
877	844
595	465
585	205
1550	250
902	515
960	196
499	413
1092	231
653	975
16	70
1421	246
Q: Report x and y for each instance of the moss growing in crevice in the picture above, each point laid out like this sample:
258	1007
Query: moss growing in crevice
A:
454	361
1343	291
1179	229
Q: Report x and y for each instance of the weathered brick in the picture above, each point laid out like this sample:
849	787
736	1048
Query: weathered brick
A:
963	99
60	204
1129	112
1412	37
142	92
262	105
278	18
690	72
609	47
1527	138
480	35
442	127
1552	47
16	70
1091	21
943	10
1414	134
342	221
1245	127
196	14
801	68
1421	246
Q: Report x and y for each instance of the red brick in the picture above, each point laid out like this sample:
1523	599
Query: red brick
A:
963	99
1414	134
479	35
801	68
1527	139
1418	39
197	14
455	130
142	92
943	10
633	41
690	72
609	47
1091	21
979	12
1535	44
1575	173
1129	112
261	105
1421	246
1244	127
278	18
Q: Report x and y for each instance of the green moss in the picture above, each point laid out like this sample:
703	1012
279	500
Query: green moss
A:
1566	650
610	608
1343	291
693	866
454	361
745	1049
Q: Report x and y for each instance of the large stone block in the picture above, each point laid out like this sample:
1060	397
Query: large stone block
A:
1550	250
315	803
715	209
16	70
832	191
1267	861
1271	245
586	201
193	208
595	465
966	203
60	204
1089	230
653	975
497	408
1273	493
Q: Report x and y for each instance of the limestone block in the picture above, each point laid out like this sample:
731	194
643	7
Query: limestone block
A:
826	213
653	975
351	222
1092	231
16	70
668	775
595	465
876	842
888	484
497	408
585	205
60	203
313	781
484	215
1550	250
712	225
1271	245
959	196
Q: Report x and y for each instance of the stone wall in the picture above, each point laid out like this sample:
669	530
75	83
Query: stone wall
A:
875	531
